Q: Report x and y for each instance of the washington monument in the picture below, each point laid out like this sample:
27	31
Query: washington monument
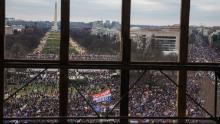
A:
55	26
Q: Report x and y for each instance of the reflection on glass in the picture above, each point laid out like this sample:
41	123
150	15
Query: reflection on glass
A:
38	98
95	30
153	96
32	29
94	92
155	30
204	31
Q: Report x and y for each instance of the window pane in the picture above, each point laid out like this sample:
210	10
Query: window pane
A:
93	92
218	98
200	86
155	30
153	96
95	30
32	29
204	31
38	98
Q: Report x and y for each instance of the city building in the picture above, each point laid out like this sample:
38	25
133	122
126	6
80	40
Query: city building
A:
107	24
165	39
116	25
8	30
205	31
214	38
18	28
80	26
9	19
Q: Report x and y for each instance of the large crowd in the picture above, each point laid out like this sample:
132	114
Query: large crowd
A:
200	51
153	97
41	97
75	57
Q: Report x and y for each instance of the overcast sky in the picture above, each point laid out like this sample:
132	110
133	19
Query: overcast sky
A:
148	12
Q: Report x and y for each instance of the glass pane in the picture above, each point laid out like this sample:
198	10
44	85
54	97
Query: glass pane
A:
200	86
155	30
153	96
95	30
218	98
32	29
204	31
27	96
94	92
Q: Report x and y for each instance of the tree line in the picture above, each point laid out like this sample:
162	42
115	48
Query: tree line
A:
97	44
22	43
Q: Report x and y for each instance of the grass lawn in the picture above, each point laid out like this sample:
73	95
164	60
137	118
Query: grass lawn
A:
53	44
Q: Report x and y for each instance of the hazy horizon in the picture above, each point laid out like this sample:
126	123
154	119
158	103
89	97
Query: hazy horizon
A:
143	12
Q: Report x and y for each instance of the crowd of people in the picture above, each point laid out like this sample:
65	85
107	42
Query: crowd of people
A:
41	97
152	97
40	56
75	57
94	57
200	51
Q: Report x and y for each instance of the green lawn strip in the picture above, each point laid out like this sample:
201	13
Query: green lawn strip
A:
50	50
72	90
73	50
52	43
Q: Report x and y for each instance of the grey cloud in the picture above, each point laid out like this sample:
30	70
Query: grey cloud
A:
156	11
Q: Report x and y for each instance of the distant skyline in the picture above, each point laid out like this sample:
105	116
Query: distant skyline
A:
143	12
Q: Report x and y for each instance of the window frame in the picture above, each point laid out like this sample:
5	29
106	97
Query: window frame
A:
182	66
